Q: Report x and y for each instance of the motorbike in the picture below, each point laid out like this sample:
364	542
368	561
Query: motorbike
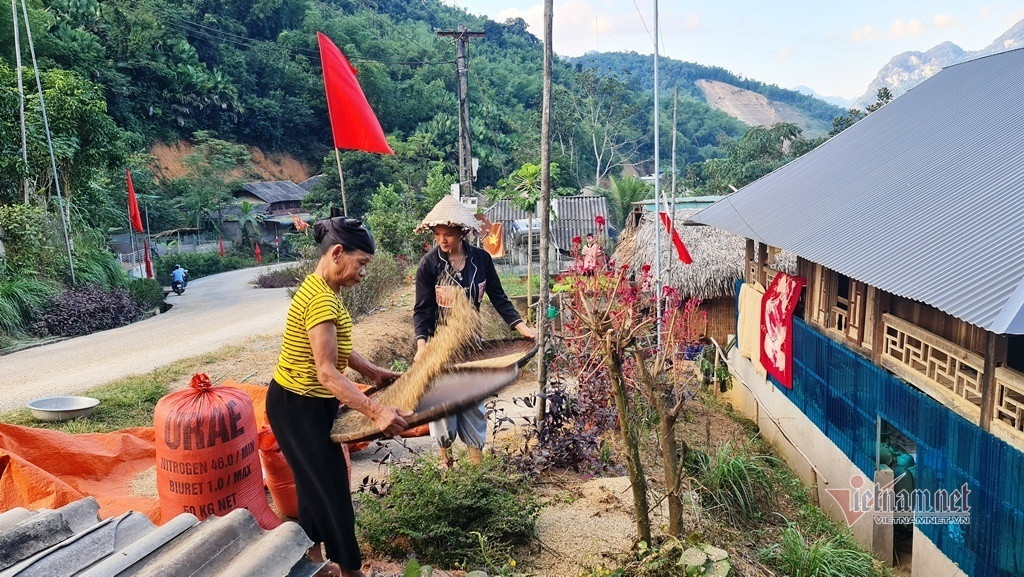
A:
179	286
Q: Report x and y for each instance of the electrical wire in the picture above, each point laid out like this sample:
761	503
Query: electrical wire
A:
223	36
644	22
487	119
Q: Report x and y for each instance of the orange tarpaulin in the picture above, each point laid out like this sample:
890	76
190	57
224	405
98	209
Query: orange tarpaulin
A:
42	468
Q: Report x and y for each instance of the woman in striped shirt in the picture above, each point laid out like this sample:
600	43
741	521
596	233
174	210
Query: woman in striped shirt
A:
309	385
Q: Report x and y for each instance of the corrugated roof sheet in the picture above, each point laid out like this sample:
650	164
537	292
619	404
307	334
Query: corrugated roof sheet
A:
572	216
73	541
276	191
923	198
311	181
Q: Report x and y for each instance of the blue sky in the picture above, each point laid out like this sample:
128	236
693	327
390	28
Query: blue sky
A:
836	49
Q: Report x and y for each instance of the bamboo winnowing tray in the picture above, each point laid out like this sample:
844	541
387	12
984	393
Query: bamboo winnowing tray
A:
449	393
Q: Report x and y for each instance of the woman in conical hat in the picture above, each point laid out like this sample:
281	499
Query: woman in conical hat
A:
453	264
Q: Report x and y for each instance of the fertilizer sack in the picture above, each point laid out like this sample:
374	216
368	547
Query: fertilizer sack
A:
207	455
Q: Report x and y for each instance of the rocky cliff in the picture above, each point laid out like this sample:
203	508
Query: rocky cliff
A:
909	69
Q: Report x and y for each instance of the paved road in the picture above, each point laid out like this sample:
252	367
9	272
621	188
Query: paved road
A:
213	312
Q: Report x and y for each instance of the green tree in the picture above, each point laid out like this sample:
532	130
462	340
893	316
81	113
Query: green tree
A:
250	220
607	113
624	191
215	169
391	221
760	151
882	97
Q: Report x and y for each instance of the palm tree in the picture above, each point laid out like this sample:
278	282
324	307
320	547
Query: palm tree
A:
249	219
623	193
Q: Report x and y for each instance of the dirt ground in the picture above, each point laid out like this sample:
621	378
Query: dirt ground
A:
584	523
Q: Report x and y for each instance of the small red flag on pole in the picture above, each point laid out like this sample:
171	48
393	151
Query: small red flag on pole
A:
353	123
681	252
149	260
133	204
220	246
258	253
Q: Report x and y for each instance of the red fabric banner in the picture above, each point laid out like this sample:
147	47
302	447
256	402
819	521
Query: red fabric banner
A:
133	204
681	252
353	122
148	259
777	308
259	253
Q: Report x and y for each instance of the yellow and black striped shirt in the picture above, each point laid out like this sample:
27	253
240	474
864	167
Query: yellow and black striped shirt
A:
313	303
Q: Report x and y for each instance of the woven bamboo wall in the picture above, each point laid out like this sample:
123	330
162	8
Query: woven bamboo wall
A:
721	313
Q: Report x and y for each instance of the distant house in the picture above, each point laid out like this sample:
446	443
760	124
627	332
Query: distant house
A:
277	201
909	230
310	182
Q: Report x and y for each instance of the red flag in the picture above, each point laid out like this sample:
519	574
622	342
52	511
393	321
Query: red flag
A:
494	241
258	253
220	246
148	259
352	120
681	252
133	204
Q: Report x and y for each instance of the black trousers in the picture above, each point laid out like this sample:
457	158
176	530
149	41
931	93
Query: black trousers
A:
302	426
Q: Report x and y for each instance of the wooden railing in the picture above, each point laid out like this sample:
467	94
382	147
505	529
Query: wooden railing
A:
953	376
1008	417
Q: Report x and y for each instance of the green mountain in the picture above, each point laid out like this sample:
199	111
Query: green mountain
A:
125	74
692	80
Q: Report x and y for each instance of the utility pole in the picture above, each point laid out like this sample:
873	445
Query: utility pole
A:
21	99
545	218
462	36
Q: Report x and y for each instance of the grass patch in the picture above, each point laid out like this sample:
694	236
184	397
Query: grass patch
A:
514	285
796	555
473	517
127	402
736	481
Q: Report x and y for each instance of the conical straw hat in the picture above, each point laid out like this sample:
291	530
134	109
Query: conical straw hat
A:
450	212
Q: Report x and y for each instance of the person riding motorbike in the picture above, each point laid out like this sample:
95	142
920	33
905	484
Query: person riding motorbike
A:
179	279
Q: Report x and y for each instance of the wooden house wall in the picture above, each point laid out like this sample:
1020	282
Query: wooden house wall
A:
935	321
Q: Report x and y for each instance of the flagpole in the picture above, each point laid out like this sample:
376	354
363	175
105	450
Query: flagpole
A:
341	177
657	180
131	236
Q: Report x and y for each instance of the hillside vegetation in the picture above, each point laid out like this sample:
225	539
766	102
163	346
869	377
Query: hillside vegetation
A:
198	96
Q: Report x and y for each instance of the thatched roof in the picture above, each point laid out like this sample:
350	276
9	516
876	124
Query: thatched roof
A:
717	256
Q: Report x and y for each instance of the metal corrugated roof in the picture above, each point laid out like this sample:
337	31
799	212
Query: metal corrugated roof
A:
276	191
923	198
73	541
310	182
572	216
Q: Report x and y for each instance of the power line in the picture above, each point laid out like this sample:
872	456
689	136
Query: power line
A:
644	22
212	34
487	118
374	10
